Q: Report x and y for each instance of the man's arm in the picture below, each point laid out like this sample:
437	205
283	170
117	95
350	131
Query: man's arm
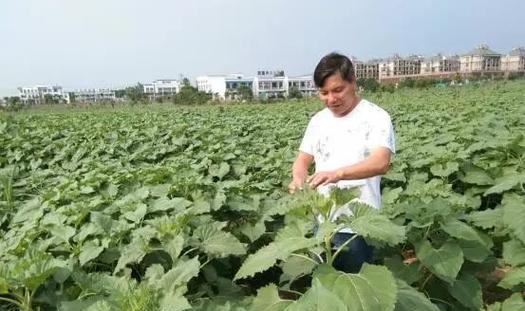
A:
300	171
377	163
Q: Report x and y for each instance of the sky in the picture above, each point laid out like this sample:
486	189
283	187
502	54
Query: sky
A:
115	43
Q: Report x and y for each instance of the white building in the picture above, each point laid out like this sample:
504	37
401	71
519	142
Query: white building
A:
514	61
398	66
35	95
93	95
270	84
440	64
481	59
304	84
162	88
266	85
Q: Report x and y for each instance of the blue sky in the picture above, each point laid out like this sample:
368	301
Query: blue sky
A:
113	43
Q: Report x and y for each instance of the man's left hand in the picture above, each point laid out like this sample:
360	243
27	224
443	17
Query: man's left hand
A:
323	178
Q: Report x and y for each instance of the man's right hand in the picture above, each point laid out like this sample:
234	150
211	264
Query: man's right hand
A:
295	185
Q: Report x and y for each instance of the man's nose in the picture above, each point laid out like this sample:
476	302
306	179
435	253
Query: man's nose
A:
331	98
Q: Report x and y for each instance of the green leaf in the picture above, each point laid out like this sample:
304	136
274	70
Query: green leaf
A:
267	299
444	262
30	211
133	252
462	231
62	233
514	253
467	290
379	228
217	242
514	303
165	204
318	298
444	170
513	278
255	231
505	183
90	250
174	247
296	266
267	256
77	305
180	274
372	289
138	214
174	301
477	176
514	214
407	272
487	219
409	299
102	221
474	251
4	286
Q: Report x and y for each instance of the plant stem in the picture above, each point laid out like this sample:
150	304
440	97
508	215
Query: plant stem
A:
328	248
343	246
425	281
12	301
305	257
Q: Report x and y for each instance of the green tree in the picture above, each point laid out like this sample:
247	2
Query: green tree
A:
245	93
369	84
135	93
294	93
189	95
72	97
120	93
51	99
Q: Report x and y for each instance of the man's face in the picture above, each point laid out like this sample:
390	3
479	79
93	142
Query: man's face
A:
338	95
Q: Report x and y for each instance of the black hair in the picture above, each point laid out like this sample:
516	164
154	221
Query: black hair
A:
331	64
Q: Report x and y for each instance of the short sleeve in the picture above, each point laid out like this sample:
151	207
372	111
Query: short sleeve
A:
307	144
382	134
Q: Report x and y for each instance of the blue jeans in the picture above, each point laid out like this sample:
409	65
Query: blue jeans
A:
354	255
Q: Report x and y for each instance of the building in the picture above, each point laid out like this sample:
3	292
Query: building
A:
270	84
304	84
42	94
366	70
397	66
234	85
440	64
514	61
161	88
213	84
481	59
266	85
92	95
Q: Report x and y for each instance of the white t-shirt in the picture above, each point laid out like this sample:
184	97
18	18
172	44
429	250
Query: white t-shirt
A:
335	142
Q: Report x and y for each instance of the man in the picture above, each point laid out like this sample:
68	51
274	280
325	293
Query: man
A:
351	142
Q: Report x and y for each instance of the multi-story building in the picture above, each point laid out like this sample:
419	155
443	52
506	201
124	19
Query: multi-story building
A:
271	84
514	61
397	66
234	83
366	70
213	84
41	94
440	64
266	85
93	95
481	59
304	84
161	88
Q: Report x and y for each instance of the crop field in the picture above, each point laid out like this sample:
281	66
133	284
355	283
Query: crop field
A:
177	208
